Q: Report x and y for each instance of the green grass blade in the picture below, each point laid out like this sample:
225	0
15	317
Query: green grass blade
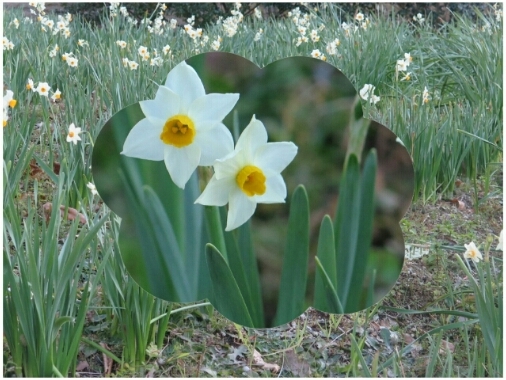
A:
292	291
227	296
328	292
326	255
347	229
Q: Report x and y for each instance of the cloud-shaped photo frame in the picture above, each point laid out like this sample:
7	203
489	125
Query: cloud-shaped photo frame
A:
289	256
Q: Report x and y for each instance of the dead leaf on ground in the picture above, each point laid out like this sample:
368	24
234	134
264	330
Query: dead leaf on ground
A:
296	365
258	360
458	203
81	366
56	167
107	361
35	170
446	346
72	213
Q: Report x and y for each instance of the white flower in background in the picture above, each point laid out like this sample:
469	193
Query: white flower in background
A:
133	65
8	102
408	58
56	95
258	36
173	23
92	188
401	65
215	45
367	93
249	175
121	44
331	48
72	62
82	43
166	49
472	252
499	245
258	13
54	51
183	126
15	22
29	85
157	61
316	53
425	95
43	89
125	62
73	134
359	16
143	50
419	18
314	35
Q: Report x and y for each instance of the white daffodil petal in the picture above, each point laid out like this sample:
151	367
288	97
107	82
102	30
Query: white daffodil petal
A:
216	192
211	107
253	136
275	156
214	144
166	104
184	77
144	142
181	162
275	190
240	209
228	166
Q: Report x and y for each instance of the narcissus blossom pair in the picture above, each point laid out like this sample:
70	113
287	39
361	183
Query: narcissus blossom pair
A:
183	127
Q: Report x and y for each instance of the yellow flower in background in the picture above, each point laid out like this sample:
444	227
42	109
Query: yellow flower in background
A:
73	134
183	126
249	175
472	252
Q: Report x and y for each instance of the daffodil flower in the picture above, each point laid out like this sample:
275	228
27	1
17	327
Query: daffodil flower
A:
183	126
73	134
249	175
472	252
43	89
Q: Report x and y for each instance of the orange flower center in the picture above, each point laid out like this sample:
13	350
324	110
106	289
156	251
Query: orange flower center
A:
178	131
251	180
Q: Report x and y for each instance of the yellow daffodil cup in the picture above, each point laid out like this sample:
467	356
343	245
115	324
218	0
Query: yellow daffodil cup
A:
265	191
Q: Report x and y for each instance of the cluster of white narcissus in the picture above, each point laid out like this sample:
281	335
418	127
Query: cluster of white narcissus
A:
183	127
